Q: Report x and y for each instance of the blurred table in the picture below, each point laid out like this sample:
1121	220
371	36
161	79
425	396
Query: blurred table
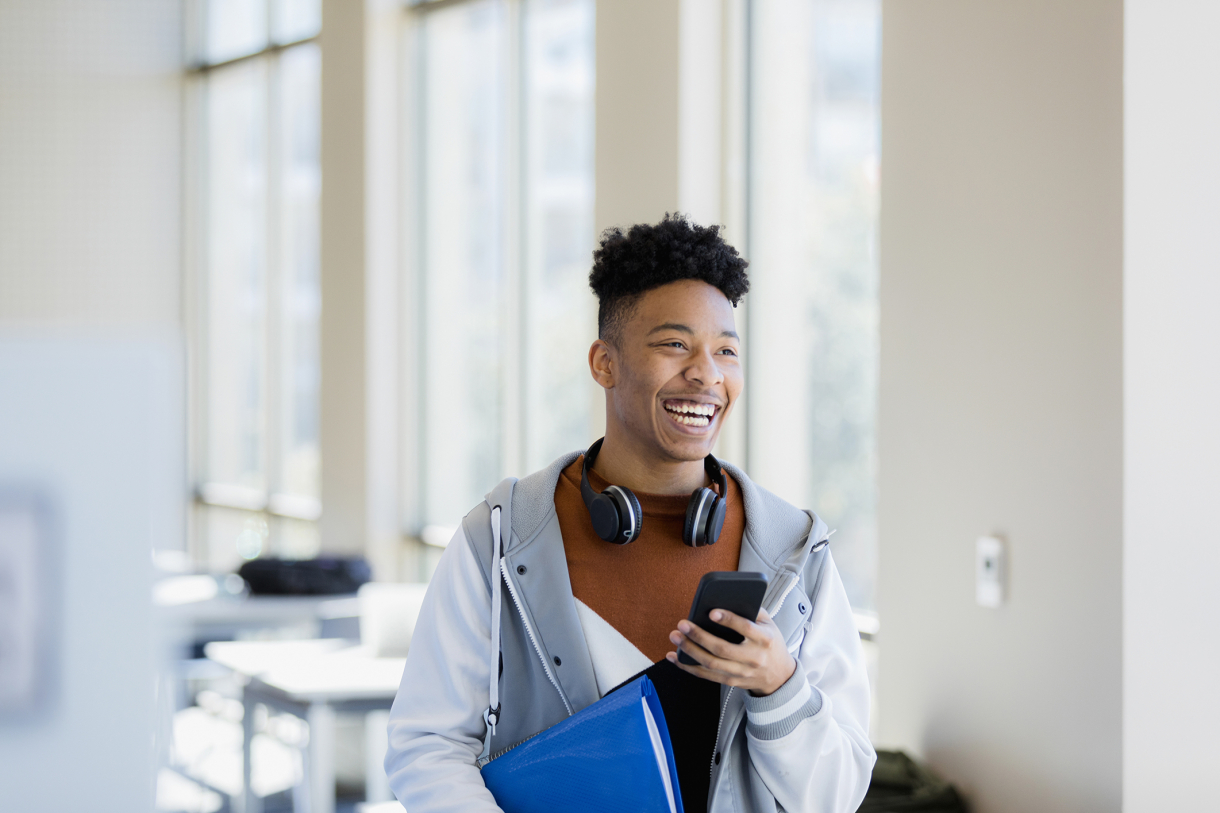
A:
224	616
312	680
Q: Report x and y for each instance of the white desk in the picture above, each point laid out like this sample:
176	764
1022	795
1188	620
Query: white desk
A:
223	617
312	680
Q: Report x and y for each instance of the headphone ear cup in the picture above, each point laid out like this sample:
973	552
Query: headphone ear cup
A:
688	527
629	514
605	517
639	515
715	521
699	512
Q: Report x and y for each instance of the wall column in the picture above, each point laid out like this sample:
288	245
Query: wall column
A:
1171	382
1000	407
344	439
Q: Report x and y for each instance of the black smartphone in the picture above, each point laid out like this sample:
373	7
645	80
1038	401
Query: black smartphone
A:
733	590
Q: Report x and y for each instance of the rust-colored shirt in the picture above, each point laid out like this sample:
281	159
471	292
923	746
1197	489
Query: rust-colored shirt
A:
642	589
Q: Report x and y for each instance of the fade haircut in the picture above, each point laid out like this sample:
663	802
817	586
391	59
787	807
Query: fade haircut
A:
647	256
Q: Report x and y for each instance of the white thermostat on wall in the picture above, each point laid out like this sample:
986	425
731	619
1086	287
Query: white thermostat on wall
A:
989	569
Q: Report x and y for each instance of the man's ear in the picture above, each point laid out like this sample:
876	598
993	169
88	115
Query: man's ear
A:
601	363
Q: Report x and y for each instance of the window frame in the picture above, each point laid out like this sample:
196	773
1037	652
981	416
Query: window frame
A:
514	429
271	504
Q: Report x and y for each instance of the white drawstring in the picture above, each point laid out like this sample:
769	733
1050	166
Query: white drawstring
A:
492	715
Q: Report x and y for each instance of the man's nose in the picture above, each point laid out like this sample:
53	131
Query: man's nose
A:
705	370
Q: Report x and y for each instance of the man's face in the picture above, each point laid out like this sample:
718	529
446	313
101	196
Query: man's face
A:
676	369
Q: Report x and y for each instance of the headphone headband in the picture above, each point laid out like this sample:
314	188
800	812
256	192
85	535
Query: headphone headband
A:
716	473
586	490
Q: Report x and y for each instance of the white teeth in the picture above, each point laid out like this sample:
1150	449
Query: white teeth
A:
692	420
706	410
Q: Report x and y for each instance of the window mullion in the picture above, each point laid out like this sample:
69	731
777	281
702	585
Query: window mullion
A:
196	308
413	250
274	369
513	392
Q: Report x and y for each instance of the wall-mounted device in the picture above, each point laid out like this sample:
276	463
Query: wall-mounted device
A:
27	631
989	567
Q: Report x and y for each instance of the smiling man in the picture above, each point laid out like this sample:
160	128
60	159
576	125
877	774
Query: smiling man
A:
596	560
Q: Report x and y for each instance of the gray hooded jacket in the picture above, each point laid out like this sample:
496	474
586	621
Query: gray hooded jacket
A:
803	748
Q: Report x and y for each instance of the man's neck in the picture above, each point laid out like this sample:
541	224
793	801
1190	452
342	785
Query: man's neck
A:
641	469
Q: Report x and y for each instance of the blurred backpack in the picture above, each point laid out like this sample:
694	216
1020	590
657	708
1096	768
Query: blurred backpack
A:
901	784
323	576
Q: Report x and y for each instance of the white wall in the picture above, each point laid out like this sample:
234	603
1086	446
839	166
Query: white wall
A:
90	247
1001	395
95	428
90	152
1171	333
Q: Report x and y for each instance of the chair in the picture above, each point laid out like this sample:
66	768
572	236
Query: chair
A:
388	612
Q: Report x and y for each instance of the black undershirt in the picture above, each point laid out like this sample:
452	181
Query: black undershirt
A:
692	714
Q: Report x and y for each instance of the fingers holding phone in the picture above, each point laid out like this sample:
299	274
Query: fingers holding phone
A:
720	643
760	663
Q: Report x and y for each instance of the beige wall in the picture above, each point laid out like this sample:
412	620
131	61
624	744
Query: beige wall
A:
665	110
342	226
1000	395
1171	603
636	163
90	163
361	233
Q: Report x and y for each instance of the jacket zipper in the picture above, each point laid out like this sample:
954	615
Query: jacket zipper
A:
504	751
716	749
784	597
512	590
725	707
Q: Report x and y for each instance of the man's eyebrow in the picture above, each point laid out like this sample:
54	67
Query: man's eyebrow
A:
724	334
672	326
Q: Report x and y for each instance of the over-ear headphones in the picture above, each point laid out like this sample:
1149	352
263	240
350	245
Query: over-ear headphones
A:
617	517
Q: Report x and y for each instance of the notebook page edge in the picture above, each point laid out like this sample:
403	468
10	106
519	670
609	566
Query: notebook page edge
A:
658	749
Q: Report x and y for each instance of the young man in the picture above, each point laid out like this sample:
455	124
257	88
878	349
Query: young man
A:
778	721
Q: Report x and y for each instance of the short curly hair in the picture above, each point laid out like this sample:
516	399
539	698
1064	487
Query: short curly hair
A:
647	256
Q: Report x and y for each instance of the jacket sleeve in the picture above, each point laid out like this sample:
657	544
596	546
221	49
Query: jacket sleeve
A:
436	725
809	740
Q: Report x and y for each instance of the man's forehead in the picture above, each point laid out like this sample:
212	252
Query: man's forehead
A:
686	306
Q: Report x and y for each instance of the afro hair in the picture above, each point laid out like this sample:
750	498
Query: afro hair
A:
647	256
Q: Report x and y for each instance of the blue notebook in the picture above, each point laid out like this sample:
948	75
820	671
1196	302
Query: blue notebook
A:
611	756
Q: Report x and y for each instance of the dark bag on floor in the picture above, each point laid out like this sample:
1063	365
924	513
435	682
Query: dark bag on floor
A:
901	784
324	576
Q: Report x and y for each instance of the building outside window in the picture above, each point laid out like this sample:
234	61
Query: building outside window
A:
254	301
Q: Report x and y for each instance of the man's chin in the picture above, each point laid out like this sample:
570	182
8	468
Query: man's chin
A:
689	449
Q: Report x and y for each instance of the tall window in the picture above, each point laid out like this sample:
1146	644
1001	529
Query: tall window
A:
255	99
813	206
502	93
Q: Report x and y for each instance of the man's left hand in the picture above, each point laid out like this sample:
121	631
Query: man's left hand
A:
760	663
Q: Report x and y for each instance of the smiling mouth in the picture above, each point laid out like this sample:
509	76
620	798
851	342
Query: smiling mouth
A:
690	413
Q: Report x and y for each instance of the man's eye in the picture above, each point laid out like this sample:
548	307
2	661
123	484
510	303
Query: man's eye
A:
677	344
728	351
